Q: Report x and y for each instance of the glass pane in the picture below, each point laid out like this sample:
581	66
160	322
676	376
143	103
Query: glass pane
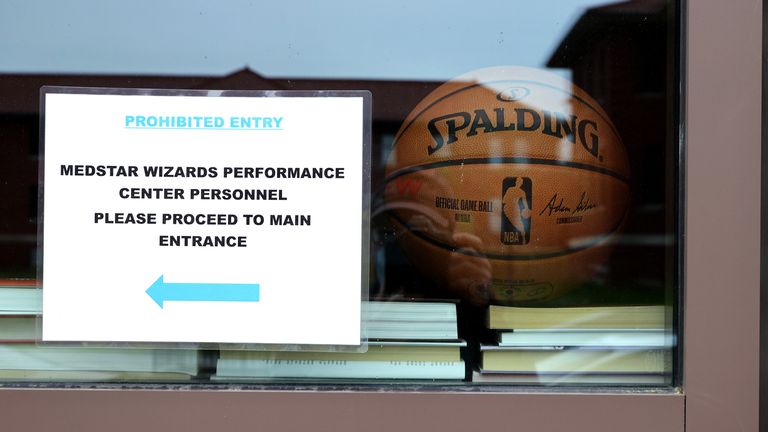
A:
524	170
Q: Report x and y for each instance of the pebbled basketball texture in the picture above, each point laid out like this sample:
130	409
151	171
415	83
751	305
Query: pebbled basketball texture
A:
508	185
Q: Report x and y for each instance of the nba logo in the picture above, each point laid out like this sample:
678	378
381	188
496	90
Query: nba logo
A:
516	210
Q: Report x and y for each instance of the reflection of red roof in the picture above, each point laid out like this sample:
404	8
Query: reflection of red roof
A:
597	21
20	93
392	99
632	7
244	79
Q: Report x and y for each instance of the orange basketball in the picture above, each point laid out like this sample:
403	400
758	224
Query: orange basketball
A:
508	185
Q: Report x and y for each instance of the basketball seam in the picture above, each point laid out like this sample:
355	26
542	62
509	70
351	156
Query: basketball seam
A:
578	98
568	251
506	160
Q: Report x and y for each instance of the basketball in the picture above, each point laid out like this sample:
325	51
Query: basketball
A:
507	185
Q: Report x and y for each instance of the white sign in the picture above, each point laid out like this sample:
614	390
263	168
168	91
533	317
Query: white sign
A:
186	218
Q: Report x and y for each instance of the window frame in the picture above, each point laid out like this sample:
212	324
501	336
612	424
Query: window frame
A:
721	303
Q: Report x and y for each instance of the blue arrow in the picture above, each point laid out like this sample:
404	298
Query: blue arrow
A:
162	292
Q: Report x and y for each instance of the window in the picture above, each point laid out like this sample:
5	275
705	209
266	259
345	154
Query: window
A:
511	206
391	264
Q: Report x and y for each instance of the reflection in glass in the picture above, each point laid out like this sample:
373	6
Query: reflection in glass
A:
463	235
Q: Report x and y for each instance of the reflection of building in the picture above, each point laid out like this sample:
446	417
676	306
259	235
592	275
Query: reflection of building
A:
622	55
613	51
614	54
19	132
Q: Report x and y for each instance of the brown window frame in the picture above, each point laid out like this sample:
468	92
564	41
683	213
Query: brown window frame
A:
719	392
